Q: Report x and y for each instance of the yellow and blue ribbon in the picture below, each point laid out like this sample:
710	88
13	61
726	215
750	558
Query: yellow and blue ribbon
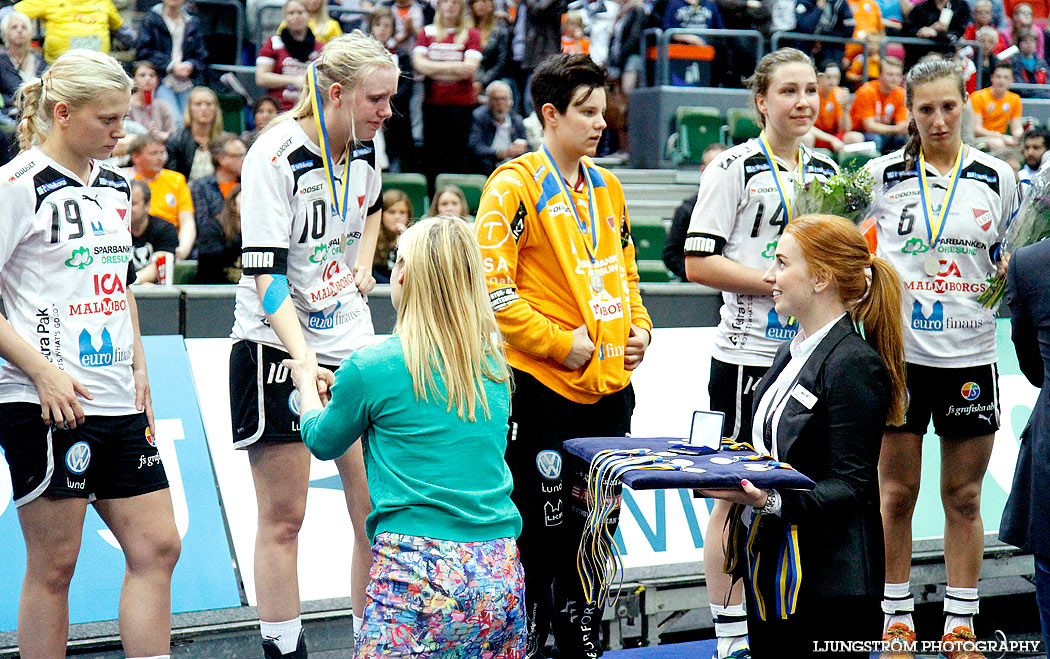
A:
326	152
595	229
800	174
934	231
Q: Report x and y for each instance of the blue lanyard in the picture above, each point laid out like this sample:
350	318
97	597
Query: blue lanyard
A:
799	174
595	229
949	196
322	131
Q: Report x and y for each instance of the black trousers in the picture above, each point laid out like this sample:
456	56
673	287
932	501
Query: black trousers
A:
446	131
818	628
552	517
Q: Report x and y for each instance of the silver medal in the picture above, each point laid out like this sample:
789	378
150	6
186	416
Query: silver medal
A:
597	284
932	265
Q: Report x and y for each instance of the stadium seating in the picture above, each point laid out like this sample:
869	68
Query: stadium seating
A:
414	185
698	127
649	237
470	184
742	125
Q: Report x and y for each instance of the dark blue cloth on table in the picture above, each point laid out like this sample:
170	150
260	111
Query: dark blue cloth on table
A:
716	476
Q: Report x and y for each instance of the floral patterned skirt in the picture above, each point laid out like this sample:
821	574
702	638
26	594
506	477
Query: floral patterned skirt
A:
438	598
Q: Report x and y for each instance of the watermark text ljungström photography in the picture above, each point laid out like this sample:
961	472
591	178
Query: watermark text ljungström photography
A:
995	648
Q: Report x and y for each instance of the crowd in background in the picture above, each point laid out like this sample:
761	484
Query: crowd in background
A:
462	105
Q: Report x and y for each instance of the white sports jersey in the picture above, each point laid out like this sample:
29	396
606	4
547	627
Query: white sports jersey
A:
289	227
739	215
64	250
944	325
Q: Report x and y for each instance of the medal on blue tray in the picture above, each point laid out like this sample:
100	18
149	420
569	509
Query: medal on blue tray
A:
935	223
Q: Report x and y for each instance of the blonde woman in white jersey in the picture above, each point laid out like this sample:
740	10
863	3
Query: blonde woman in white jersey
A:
311	215
941	213
74	395
742	207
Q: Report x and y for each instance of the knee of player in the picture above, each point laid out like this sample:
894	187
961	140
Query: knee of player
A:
282	527
155	551
962	501
898	499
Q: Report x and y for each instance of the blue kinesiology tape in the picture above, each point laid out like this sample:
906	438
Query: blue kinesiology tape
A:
276	293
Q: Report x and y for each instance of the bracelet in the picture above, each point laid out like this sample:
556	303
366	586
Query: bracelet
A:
772	503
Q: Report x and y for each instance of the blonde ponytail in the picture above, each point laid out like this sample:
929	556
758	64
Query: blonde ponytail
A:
33	126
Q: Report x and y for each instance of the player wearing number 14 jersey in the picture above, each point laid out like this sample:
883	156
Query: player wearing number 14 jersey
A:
744	202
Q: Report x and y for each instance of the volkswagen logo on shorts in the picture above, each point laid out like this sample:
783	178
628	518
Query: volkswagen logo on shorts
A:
549	464
293	402
971	390
78	457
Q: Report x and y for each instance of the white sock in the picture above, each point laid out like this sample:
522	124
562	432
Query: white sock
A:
898	604
358	621
285	635
730	628
960	606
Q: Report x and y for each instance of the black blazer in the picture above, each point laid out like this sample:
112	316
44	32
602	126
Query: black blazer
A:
836	442
182	148
1028	508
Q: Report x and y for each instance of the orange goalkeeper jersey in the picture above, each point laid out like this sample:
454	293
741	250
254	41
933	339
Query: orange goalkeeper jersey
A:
539	274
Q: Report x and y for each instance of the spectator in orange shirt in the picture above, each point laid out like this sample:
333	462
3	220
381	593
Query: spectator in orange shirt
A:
867	19
856	74
170	196
831	129
572	39
879	110
998	109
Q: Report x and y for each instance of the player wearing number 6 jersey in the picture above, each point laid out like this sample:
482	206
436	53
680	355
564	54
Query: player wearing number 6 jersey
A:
74	396
742	207
941	210
311	214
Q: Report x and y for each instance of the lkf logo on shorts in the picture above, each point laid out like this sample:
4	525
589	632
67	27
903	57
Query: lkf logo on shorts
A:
78	457
970	391
149	438
549	464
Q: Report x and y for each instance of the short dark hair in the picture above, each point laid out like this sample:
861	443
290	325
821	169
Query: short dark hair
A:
144	64
1037	131
1002	64
557	78
143	187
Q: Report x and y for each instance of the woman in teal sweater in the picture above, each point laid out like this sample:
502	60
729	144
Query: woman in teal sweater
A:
431	405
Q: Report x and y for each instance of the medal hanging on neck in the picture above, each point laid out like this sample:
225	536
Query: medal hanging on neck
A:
932	265
800	175
338	210
596	281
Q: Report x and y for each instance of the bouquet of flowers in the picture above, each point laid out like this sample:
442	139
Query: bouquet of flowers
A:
847	194
1029	226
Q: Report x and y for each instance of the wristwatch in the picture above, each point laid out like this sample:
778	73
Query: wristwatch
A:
772	504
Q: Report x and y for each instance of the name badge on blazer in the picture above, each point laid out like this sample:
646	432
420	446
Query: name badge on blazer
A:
804	396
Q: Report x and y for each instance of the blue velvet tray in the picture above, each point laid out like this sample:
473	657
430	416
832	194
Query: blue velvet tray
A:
714	476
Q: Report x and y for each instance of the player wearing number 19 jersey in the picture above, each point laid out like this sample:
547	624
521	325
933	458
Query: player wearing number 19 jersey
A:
64	276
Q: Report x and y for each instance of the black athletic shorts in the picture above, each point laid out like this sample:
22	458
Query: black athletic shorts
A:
731	389
106	457
264	403
963	402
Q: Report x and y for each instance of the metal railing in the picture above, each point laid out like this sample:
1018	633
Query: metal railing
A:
777	37
662	75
